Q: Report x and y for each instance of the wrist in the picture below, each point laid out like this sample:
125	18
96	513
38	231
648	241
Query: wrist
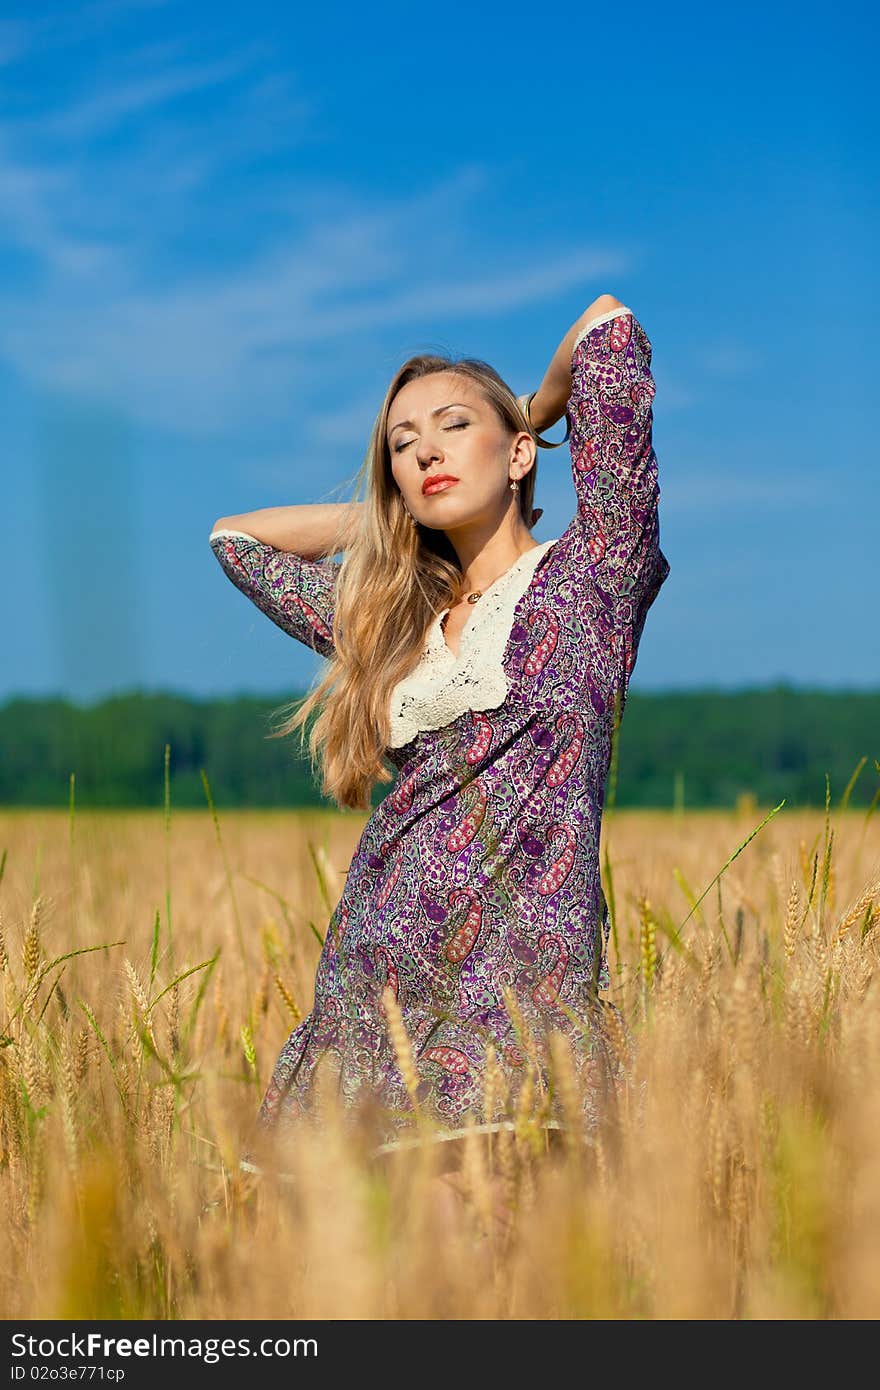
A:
546	408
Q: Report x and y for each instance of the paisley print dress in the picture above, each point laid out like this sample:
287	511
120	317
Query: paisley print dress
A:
474	891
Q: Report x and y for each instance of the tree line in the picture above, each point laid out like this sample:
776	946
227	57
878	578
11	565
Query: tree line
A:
699	749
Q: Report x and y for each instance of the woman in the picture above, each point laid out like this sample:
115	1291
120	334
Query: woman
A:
489	669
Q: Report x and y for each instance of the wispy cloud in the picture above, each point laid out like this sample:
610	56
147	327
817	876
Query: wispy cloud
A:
195	355
717	489
672	395
110	314
730	359
105	110
30	194
112	196
49	29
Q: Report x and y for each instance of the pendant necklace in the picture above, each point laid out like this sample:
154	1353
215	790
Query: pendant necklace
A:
471	598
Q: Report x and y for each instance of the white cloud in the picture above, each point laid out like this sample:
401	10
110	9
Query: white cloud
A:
197	355
730	359
718	488
348	425
113	309
106	109
671	395
65	28
29	194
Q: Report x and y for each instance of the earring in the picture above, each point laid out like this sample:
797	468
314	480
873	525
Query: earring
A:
514	486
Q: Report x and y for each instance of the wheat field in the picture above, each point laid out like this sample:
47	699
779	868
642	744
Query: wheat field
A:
152	964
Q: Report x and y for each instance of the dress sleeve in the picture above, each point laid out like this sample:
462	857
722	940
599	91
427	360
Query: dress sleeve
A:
616	544
297	594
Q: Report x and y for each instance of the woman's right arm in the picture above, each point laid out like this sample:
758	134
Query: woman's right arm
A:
278	557
310	531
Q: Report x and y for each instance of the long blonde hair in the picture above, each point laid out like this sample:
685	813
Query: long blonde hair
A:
394	579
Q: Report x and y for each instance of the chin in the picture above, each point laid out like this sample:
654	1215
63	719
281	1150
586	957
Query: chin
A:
438	518
451	516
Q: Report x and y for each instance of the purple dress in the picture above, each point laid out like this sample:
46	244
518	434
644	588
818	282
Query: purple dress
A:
479	870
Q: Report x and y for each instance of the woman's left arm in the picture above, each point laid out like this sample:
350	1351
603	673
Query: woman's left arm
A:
601	372
551	398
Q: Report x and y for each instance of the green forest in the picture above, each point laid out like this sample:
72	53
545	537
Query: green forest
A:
698	749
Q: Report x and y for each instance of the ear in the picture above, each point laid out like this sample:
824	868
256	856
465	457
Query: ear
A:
525	451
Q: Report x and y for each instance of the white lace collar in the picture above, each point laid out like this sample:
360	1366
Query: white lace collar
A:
442	686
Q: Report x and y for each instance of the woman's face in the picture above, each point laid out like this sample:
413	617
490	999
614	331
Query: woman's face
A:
440	425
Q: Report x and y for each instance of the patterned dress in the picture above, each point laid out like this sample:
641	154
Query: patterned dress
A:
478	874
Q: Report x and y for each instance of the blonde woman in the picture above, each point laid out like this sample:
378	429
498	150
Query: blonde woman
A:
489	669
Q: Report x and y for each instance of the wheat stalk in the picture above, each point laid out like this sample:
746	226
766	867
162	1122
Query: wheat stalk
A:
287	995
475	1174
495	1090
863	906
32	948
647	942
249	1049
566	1087
521	1029
614	1030
523	1120
174	1022
4	954
401	1044
792	919
81	1059
716	1148
139	995
69	1091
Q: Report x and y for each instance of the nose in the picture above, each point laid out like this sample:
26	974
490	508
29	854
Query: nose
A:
427	453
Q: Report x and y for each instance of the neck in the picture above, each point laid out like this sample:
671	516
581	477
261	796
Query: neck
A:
485	557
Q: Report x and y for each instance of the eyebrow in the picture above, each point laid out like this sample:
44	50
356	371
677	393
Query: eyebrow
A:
402	424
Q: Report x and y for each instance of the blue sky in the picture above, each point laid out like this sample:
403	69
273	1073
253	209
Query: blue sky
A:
225	226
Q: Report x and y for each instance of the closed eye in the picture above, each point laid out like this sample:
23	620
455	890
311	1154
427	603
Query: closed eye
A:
462	425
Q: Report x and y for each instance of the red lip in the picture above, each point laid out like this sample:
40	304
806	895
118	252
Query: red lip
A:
432	482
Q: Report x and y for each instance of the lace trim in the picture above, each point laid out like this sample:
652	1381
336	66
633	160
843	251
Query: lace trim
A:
602	318
443	686
225	531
